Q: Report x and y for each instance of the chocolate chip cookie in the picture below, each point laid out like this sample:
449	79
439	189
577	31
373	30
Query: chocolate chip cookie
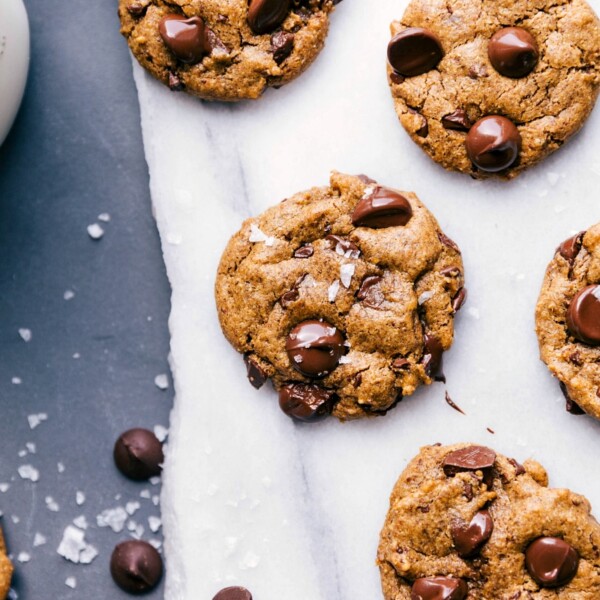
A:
568	320
344	296
225	49
491	88
6	569
467	523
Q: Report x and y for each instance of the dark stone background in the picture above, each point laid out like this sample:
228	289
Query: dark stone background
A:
75	152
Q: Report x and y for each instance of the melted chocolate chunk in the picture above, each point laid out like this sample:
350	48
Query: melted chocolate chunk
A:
255	373
306	402
469	538
382	208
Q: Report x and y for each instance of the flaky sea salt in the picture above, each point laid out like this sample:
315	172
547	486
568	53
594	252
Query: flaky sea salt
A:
25	334
23	557
69	295
39	540
29	472
35	420
16	381
104	217
95	231
154	480
256	236
31	447
161	433
154	523
145	494
60	467
51	504
79	498
80	522
156	543
114	518
74	548
424	297
162	381
346	273
4	487
71	582
332	291
132	507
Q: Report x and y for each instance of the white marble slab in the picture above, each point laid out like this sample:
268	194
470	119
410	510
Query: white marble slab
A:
294	511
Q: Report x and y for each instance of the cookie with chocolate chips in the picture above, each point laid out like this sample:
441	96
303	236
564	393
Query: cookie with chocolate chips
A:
343	296
568	320
225	50
6	569
467	523
491	88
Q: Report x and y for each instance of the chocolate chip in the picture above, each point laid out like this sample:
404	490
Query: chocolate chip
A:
571	406
439	588
233	593
315	348
433	357
583	315
265	16
459	300
423	130
477	71
289	297
343	246
305	251
446	241
493	143
453	404
366	179
551	562
136	9
136	566
519	468
282	44
456	120
256	374
213	42
306	402
414	51
175	84
471	458
470	538
396	78
570	248
382	208
513	52
370	293
138	454
185	38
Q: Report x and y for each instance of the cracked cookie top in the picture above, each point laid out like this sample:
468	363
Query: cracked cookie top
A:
225	49
568	320
491	88
465	523
6	569
344	296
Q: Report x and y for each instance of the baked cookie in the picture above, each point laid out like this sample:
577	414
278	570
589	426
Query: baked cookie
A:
225	49
491	88
467	523
344	296
6	569
567	320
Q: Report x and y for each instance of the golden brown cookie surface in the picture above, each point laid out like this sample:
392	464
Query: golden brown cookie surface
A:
6	569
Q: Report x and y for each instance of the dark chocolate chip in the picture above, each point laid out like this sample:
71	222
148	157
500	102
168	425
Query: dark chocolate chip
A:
306	402
571	406
185	38
343	246
282	44
175	84
446	241
459	300
519	468
414	51
382	208
315	348
136	566
570	248
305	251
289	297
423	130
469	538
400	363
583	315
366	179
551	562
256	374
433	357
396	77
136	9
213	42
453	404
138	454
439	588
457	120
233	593
370	293
513	52
264	16
451	272
471	458
493	143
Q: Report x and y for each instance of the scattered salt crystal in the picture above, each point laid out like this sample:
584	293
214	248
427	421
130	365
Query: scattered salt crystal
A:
74	548
22	453
104	217
132	507
424	297
346	273
25	334
345	360
473	312
332	291
71	582
24	557
60	467
15	519
112	517
250	561
368	191
80	522
154	480
256	235
76	355
29	472
51	504
145	494
12	595
69	295
156	543
88	554
156	500
155	523
31	447
39	540
17	381
4	487
95	231
162	381
161	432
79	498
36	419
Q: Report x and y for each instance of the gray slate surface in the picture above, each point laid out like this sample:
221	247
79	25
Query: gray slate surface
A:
75	152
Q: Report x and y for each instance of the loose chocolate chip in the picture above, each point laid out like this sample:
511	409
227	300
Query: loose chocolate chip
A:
583	315
265	16
470	538
414	51
370	293
343	246
570	248
456	120
433	357
185	38
136	566
519	468
233	593
382	208
571	406
551	562
306	402
459	300
256	374
493	143
282	44
138	454
305	251
315	348
446	241
136	9
513	52
453	404
439	588
471	458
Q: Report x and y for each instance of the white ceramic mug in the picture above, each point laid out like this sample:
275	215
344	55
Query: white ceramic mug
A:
14	60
